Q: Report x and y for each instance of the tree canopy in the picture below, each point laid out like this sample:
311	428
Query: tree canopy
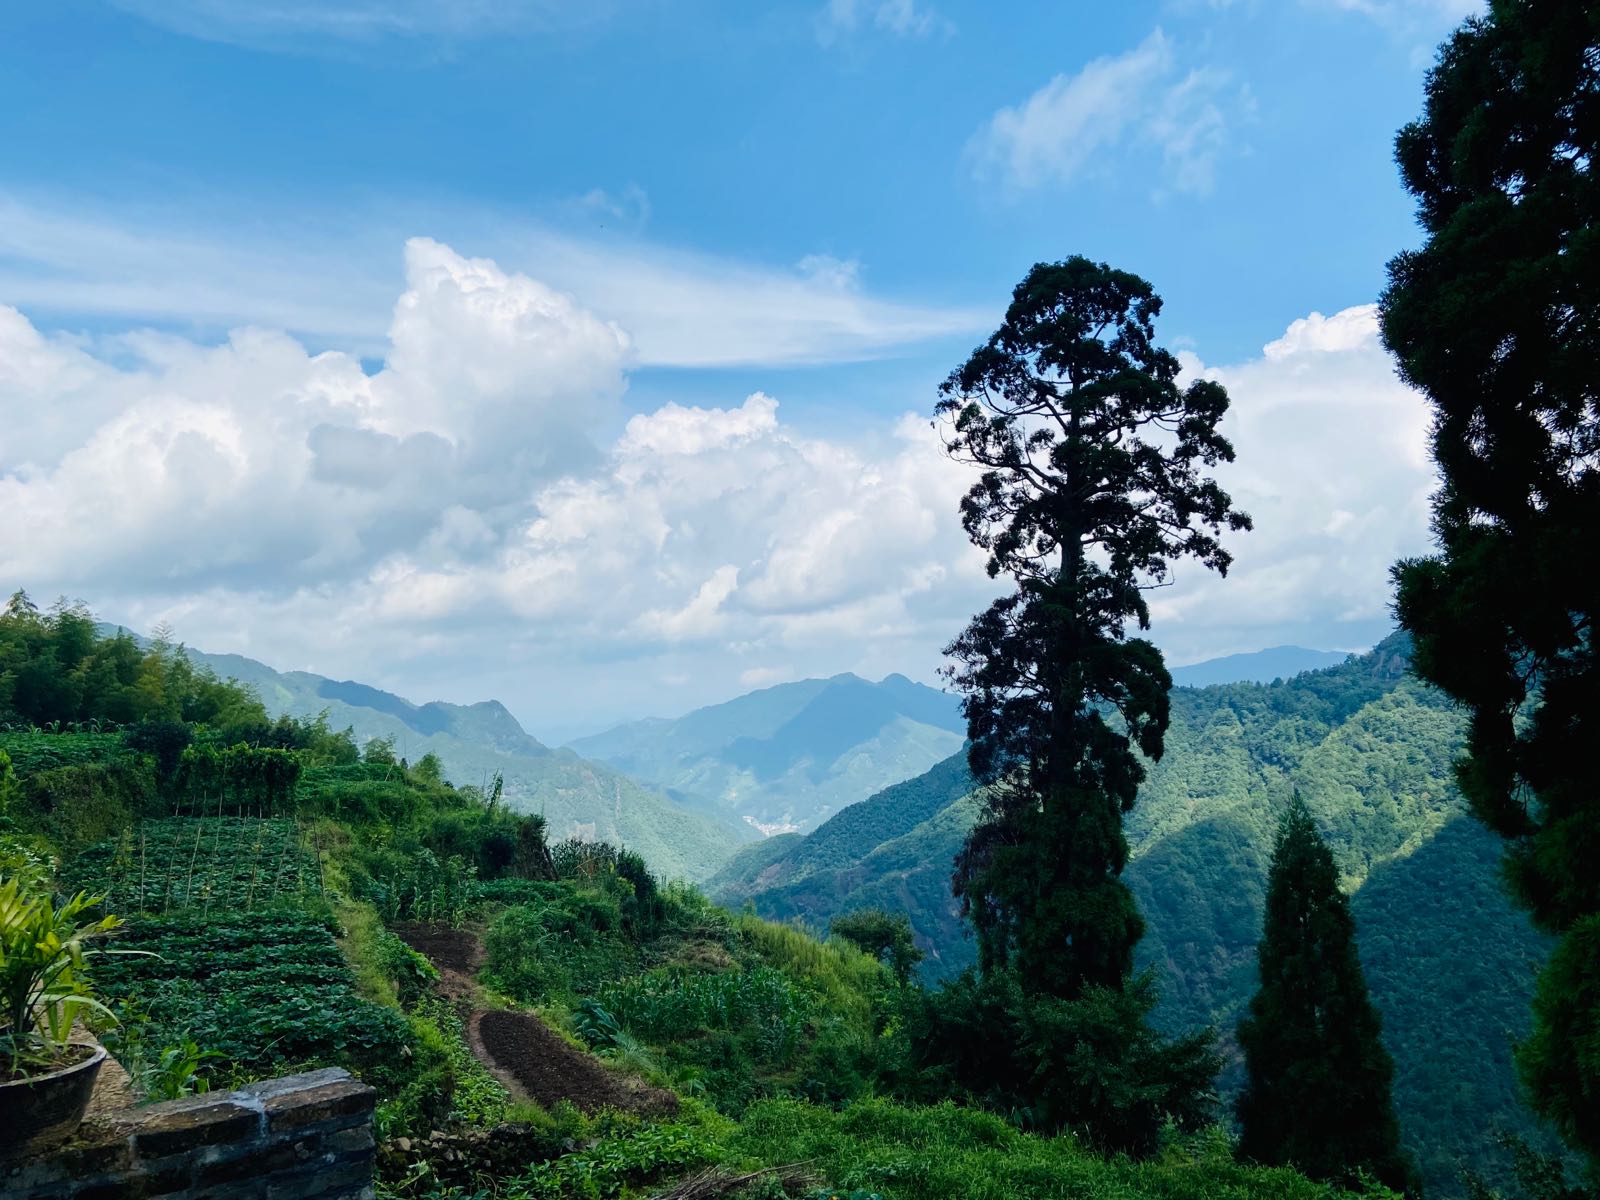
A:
1091	487
1494	318
1318	1088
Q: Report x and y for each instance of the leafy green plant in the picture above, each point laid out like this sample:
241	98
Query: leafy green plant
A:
268	990
597	1027
176	1071
224	863
614	1163
44	987
672	1003
412	974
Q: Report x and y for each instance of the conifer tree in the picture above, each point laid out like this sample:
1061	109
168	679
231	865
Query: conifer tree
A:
1092	485
1317	1095
1093	482
1496	319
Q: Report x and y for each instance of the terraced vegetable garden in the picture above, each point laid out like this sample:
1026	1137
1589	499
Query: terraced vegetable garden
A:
205	863
34	750
269	990
227	954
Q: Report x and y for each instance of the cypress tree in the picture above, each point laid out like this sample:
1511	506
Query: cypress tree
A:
1317	1093
1093	483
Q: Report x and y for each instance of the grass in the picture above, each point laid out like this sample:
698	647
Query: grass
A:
841	975
950	1153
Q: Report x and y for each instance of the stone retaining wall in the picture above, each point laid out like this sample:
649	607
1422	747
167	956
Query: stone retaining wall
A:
302	1137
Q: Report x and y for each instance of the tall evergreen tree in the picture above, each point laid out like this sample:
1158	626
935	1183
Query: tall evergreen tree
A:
1496	318
1091	486
1317	1093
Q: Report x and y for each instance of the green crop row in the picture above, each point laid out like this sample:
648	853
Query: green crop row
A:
270	993
207	863
31	751
674	1003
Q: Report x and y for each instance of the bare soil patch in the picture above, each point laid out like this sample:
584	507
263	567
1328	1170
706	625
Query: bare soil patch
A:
448	948
551	1070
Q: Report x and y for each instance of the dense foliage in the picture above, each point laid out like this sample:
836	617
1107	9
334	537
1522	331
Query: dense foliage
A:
949	1153
260	863
885	936
268	991
57	671
1091	486
1317	1088
1494	319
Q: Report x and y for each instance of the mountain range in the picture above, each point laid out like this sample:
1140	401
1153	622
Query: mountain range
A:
1257	666
685	792
785	758
475	742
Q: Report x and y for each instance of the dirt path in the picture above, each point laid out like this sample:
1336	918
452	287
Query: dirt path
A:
530	1059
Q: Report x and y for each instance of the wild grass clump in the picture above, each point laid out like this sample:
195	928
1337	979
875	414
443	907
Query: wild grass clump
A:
944	1152
844	977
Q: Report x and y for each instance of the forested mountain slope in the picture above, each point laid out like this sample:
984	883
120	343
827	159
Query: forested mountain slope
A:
784	758
1451	963
578	798
1257	666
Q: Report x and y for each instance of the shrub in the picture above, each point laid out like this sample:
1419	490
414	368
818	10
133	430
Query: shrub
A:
944	1152
568	942
413	975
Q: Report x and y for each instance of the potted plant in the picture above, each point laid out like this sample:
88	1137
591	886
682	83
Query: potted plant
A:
46	1078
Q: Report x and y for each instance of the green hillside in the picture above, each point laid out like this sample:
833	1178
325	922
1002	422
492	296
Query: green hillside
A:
783	759
540	1021
578	797
1370	749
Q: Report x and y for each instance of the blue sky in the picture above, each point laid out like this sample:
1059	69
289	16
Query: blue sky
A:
824	202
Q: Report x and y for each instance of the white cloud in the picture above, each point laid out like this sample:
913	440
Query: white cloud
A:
257	459
630	206
466	509
466	521
1409	12
333	284
901	18
1333	466
292	23
1070	125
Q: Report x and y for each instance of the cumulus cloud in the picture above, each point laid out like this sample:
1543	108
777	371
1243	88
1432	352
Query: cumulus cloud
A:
256	459
470	519
1144	97
1333	465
